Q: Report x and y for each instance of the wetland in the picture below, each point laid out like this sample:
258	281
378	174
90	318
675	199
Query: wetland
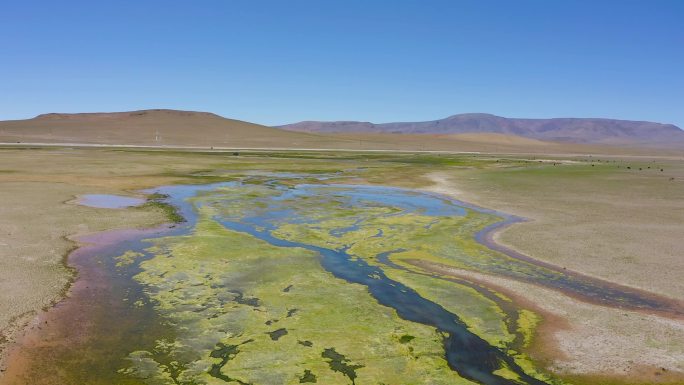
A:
272	277
271	281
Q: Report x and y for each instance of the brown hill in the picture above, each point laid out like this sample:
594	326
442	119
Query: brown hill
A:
150	127
572	130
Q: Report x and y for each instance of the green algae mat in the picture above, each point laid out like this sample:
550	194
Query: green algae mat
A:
279	283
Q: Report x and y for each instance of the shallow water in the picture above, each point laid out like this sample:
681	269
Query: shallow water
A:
107	201
468	354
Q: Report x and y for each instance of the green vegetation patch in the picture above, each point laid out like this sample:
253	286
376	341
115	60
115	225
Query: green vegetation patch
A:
337	334
156	202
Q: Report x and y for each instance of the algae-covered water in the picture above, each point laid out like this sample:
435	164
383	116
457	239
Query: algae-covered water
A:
278	283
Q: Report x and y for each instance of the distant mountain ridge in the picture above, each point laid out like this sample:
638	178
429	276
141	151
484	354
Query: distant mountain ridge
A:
574	130
460	133
125	114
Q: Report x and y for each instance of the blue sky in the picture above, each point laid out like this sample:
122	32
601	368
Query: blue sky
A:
276	62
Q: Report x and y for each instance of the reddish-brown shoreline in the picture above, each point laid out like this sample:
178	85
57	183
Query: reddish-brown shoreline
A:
66	324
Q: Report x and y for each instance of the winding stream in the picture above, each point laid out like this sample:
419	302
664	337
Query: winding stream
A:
471	356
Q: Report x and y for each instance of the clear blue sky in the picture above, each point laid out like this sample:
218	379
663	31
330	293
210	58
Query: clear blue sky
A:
276	62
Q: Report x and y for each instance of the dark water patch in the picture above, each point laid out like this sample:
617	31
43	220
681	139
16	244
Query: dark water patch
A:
405	339
276	334
291	312
340	363
308	344
225	353
307	377
242	300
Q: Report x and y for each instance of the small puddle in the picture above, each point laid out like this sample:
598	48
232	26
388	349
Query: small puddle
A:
108	201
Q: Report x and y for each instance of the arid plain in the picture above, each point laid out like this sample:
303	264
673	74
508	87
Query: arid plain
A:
601	225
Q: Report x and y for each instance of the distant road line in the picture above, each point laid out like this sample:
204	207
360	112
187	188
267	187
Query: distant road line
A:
228	149
215	148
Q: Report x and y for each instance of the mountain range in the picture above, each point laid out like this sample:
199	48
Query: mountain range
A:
459	133
573	130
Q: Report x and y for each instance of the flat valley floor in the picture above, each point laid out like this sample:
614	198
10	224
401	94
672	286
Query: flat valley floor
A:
336	268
